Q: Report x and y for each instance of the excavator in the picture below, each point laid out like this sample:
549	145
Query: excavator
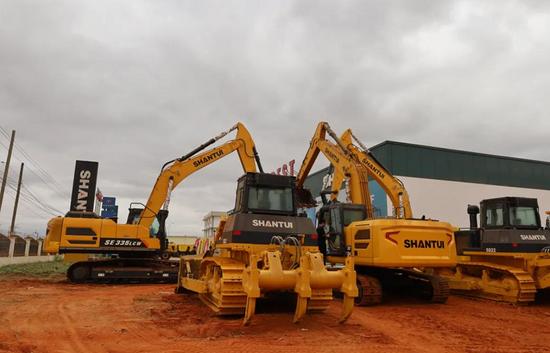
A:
505	258
139	250
264	247
398	251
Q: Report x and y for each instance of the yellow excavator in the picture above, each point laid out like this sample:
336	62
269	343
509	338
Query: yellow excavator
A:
397	251
139	250
505	258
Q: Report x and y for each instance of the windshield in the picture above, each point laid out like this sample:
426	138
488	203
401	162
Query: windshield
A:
155	227
523	216
262	198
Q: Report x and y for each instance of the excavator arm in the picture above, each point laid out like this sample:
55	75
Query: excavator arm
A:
175	171
393	187
342	160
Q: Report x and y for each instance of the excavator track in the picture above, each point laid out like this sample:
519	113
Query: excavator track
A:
124	270
370	290
430	287
495	282
440	289
225	294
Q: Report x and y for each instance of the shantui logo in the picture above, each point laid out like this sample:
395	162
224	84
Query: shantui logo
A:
373	168
532	237
83	189
424	244
207	159
272	224
332	155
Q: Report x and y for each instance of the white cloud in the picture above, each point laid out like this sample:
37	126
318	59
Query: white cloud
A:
132	84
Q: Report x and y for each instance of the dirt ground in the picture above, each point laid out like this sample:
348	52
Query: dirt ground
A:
55	316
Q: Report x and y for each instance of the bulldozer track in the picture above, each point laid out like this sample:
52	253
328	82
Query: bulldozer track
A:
320	300
523	292
225	291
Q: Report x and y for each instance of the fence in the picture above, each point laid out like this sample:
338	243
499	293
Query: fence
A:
16	249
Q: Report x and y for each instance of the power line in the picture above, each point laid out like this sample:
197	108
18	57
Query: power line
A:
32	195
32	199
33	210
41	173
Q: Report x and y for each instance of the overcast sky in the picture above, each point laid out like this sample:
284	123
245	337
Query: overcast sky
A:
132	84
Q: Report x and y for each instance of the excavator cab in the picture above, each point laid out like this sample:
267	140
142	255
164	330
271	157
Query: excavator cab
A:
157	228
337	216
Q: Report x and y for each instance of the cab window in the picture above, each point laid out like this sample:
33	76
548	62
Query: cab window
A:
270	199
351	216
523	216
155	227
495	216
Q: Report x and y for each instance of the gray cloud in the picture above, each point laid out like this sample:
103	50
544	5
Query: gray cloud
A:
132	84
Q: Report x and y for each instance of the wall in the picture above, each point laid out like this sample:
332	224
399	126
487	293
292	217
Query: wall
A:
17	250
447	200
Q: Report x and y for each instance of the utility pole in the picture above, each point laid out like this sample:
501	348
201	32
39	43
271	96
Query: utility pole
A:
16	200
6	169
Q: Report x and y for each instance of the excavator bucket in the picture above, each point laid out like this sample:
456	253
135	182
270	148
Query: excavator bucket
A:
311	282
304	198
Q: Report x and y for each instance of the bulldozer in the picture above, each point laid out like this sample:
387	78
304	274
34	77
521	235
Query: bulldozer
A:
264	247
139	250
398	251
505	258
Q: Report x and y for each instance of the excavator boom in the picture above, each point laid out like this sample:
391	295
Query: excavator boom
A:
175	171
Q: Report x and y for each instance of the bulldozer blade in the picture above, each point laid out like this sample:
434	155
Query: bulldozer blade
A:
301	308
249	311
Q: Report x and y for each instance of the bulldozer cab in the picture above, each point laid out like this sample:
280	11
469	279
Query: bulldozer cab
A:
266	207
265	194
510	212
337	216
507	224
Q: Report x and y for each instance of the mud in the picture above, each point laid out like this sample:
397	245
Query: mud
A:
55	316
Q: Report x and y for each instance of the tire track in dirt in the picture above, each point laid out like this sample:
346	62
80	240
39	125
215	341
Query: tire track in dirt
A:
75	338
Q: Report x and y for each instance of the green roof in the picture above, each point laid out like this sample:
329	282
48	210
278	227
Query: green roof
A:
412	160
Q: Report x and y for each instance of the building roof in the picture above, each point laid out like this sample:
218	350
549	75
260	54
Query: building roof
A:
412	160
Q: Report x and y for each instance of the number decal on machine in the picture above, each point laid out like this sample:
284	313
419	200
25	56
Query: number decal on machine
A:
131	243
490	249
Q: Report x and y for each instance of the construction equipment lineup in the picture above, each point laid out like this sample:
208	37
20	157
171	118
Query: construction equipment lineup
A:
267	247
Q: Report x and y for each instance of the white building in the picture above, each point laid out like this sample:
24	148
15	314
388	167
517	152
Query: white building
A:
211	222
